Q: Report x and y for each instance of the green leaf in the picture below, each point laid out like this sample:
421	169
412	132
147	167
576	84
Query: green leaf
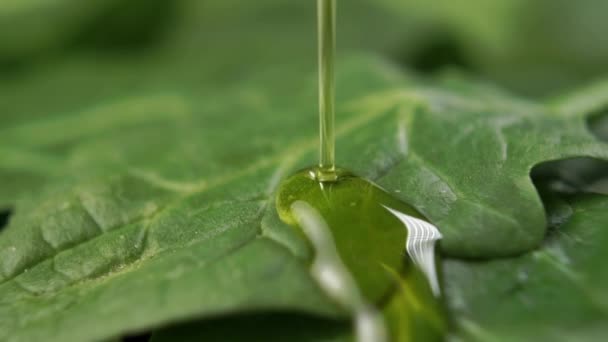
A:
554	293
30	26
142	182
34	31
536	47
154	210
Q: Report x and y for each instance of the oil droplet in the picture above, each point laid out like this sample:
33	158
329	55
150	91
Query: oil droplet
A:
383	258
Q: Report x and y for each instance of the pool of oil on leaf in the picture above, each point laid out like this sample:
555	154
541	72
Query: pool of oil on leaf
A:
374	254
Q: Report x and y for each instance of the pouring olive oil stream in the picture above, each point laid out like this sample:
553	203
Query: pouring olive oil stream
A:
374	255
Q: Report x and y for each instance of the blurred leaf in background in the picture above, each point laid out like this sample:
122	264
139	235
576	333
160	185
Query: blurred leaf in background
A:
536	47
533	47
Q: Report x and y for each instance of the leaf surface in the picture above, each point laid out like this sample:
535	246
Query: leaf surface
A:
153	211
554	293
